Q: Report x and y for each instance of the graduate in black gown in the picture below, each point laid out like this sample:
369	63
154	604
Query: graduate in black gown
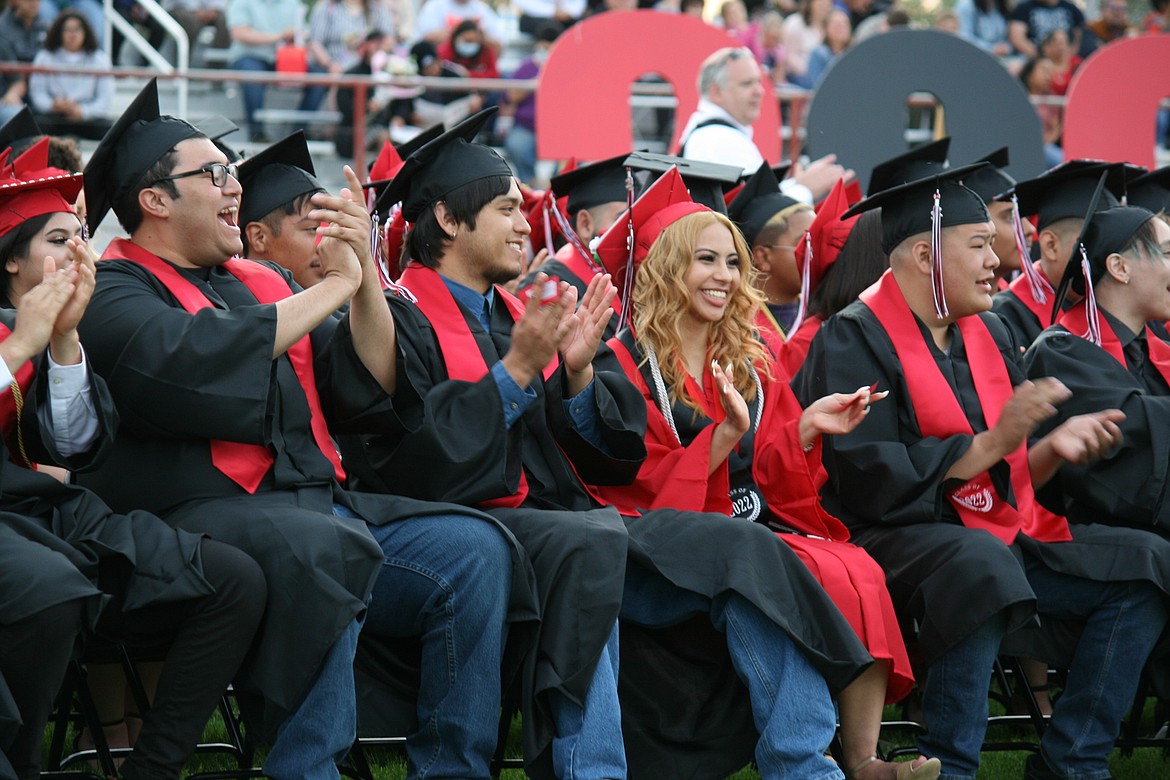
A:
228	378
938	487
68	565
1057	199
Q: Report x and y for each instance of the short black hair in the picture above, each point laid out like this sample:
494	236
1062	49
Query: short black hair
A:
427	241
16	242
274	218
126	206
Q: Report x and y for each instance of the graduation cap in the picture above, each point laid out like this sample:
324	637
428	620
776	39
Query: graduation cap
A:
1151	191
30	188
276	176
444	164
823	241
389	160
1065	191
706	181
991	179
591	185
19	131
216	127
1104	232
134	143
906	212
918	163
757	202
628	240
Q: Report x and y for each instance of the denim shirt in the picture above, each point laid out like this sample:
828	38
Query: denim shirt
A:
515	399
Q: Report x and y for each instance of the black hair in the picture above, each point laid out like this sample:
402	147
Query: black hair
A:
467	25
427	241
125	206
860	264
1026	71
53	38
16	242
274	219
987	6
1145	241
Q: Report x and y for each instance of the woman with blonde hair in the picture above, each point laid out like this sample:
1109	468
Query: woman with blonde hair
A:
725	434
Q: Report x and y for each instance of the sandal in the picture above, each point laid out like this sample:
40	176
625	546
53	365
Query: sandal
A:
927	770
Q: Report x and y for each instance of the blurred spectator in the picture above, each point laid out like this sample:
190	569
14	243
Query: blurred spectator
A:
1037	78
985	24
337	29
1114	22
1156	20
1033	20
891	18
520	142
1055	48
733	18
804	31
691	8
534	12
946	21
768	45
372	48
860	10
194	15
67	103
838	38
93	10
22	32
409	115
437	18
258	27
467	48
147	26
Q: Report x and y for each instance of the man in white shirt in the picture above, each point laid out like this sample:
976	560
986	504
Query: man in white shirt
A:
436	19
732	89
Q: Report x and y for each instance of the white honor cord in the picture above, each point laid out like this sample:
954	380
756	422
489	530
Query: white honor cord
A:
663	398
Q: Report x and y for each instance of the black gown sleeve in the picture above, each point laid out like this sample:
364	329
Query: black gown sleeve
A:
1128	485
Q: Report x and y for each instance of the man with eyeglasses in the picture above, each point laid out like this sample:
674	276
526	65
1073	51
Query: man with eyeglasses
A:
226	374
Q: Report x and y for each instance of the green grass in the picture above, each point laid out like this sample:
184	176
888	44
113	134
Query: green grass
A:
1142	764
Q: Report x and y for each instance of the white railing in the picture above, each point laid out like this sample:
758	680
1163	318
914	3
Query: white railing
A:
173	30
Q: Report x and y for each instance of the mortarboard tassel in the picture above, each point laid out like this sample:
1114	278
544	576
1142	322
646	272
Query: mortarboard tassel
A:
376	233
548	234
384	275
805	283
572	237
1041	289
936	269
628	281
1092	316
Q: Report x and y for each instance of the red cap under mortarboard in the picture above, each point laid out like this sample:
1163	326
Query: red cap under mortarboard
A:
30	188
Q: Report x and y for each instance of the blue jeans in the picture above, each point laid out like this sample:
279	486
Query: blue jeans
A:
254	93
588	744
520	144
1122	622
447	579
954	701
791	705
321	731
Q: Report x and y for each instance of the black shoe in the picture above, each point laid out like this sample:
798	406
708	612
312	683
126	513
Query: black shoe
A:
1036	768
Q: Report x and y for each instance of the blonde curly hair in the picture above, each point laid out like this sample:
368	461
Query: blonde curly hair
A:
661	299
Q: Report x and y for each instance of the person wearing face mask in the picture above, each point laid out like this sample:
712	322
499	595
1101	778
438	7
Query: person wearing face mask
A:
521	138
467	48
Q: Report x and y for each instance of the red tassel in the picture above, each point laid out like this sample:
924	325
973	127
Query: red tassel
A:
1091	314
1039	285
805	283
628	281
572	237
936	271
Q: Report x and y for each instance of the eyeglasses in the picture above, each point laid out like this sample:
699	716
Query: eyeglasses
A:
219	174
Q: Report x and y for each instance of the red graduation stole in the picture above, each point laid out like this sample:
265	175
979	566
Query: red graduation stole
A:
939	415
770	331
1075	321
245	464
464	361
1022	290
9	413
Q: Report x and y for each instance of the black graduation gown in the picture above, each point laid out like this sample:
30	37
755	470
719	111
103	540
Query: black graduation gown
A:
1127	487
445	439
886	483
1017	317
59	542
179	379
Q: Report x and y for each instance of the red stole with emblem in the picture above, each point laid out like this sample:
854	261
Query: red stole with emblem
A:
1075	321
245	464
1022	290
940	416
461	355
